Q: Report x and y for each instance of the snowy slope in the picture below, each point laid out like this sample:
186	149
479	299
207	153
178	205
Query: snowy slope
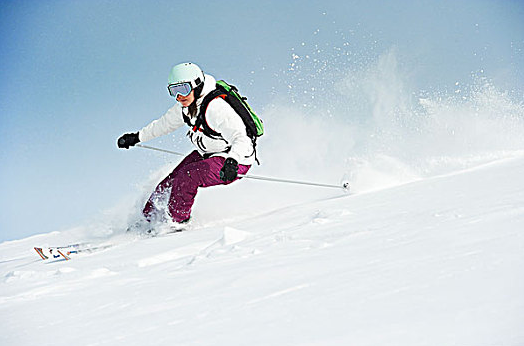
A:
439	261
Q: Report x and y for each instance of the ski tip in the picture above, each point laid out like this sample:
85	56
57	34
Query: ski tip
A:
67	258
52	253
40	253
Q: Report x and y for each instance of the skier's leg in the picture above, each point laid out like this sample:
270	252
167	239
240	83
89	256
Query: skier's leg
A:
150	211
186	182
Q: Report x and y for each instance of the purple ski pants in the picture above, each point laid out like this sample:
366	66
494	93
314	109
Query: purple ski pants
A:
182	184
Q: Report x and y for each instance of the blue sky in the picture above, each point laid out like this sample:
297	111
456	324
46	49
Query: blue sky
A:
77	74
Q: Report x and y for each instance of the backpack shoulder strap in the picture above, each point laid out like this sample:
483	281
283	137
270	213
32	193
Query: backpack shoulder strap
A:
201	122
187	120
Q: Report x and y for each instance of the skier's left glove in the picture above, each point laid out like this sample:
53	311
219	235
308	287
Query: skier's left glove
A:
229	171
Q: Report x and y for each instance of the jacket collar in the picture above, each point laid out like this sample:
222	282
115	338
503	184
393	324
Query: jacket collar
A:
209	85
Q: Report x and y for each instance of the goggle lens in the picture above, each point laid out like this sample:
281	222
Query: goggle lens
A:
183	89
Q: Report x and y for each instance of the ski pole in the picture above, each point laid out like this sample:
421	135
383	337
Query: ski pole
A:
344	186
158	149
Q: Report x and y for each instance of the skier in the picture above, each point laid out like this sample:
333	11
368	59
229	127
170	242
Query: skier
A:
217	160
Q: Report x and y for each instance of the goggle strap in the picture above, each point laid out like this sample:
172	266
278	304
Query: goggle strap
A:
197	82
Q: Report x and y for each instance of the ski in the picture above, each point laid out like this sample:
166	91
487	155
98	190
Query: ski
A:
164	232
52	253
40	253
65	252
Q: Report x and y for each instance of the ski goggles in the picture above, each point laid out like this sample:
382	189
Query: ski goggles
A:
183	89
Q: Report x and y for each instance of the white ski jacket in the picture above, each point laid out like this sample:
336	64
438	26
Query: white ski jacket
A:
220	117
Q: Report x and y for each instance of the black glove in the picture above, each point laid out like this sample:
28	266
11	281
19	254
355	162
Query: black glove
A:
128	140
230	170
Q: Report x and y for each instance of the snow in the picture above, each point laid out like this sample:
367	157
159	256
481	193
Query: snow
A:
436	261
427	249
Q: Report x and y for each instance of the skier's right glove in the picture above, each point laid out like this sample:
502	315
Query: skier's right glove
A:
128	140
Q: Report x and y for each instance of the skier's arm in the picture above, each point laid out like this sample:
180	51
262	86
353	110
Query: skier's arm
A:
169	122
223	119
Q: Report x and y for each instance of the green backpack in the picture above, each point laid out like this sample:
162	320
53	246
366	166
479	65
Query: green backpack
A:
254	125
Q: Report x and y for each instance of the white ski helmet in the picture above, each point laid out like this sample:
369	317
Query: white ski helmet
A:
186	73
